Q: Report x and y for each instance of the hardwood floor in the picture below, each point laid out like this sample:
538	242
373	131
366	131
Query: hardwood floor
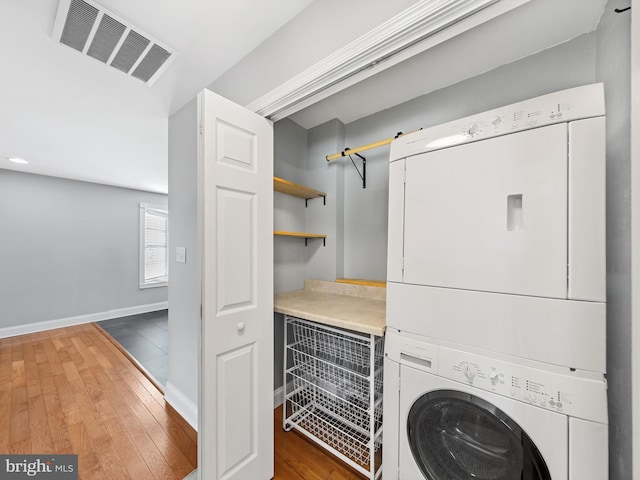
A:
71	390
300	459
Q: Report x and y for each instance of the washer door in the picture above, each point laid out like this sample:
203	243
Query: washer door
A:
458	436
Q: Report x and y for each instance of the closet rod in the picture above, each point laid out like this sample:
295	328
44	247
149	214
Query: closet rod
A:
352	151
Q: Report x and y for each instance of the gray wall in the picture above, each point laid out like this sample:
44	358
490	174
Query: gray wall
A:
358	238
322	263
289	214
184	288
613	68
68	248
299	156
365	210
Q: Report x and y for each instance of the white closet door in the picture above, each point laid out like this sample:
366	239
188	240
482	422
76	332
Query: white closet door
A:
236	383
491	215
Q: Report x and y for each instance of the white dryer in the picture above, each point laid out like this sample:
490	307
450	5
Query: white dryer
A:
465	415
497	230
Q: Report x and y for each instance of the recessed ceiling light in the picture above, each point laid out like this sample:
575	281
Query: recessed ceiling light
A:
21	161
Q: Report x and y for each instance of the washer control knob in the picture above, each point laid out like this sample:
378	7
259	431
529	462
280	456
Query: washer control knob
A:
469	372
494	376
497	121
473	129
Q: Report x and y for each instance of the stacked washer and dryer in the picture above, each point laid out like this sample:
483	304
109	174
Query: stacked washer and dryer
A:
495	350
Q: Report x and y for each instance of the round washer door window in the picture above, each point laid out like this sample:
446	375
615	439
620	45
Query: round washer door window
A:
457	436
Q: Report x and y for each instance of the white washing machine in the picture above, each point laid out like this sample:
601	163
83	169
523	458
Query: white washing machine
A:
465	415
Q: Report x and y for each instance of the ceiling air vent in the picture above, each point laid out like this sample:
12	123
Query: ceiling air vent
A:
94	31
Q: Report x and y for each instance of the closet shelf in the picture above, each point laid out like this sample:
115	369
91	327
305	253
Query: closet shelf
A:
362	281
285	186
306	236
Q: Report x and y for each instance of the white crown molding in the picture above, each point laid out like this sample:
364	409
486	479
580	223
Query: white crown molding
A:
422	26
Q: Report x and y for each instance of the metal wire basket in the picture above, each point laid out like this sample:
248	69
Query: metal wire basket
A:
333	390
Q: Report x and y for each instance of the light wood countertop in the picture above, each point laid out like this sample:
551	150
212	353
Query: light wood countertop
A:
355	307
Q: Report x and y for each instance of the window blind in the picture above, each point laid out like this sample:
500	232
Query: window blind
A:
155	246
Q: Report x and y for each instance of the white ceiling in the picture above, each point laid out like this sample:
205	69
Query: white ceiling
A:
73	117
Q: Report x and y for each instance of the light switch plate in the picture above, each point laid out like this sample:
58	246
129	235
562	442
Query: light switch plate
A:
181	255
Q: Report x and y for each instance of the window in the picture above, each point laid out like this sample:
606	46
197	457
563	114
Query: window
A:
154	252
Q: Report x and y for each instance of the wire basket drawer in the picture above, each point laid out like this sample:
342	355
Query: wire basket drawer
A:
333	390
341	391
346	349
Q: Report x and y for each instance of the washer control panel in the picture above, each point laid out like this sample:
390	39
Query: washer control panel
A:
569	394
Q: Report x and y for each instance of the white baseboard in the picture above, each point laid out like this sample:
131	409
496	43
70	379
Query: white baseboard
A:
278	397
181	404
91	317
189	410
192	476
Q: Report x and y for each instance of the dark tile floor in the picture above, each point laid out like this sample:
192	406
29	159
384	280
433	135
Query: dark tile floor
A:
146	338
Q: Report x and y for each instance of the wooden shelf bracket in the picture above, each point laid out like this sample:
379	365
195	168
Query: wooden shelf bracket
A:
306	236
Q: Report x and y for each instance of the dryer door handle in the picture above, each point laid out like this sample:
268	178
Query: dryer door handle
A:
417	362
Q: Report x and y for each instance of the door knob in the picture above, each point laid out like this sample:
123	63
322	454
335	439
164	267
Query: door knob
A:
241	326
